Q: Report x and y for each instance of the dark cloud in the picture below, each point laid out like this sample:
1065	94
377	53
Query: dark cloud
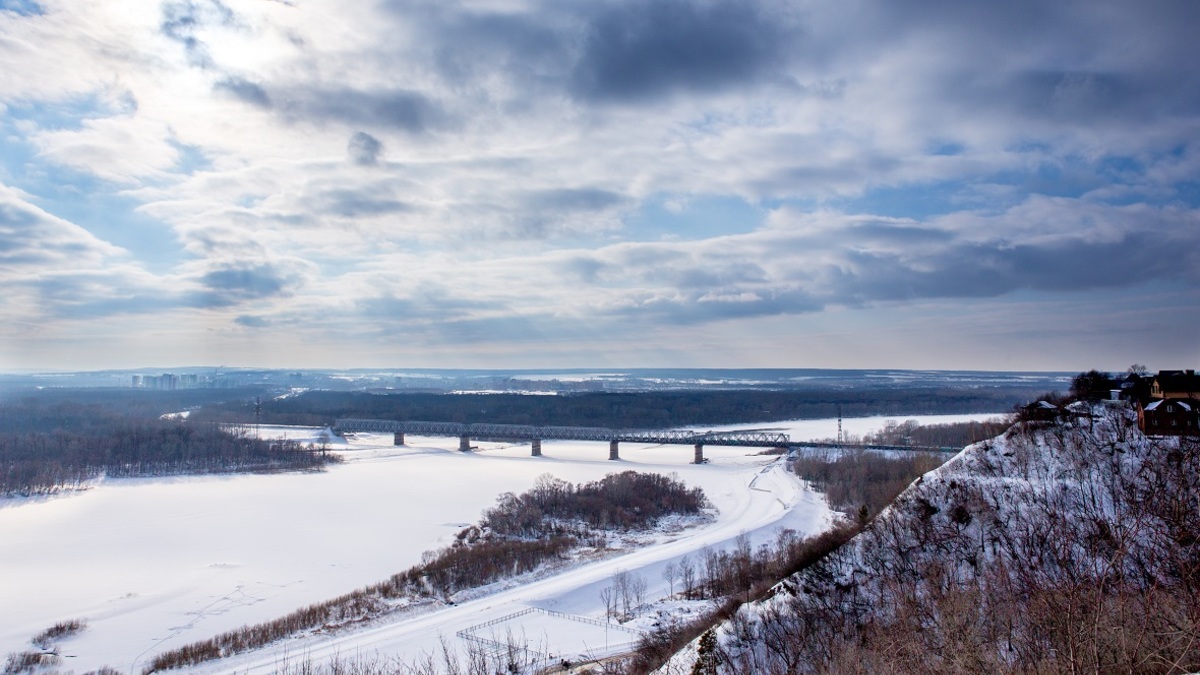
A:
251	321
528	48
642	50
890	233
233	283
364	149
587	269
575	199
858	264
349	203
245	91
399	109
993	268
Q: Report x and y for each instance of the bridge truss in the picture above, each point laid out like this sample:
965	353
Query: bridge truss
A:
752	438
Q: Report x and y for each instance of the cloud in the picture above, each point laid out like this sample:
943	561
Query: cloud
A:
812	262
121	148
247	321
397	109
184	20
244	91
577	199
32	238
361	201
640	50
236	282
364	149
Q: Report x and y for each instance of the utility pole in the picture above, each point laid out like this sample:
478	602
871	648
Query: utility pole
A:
258	414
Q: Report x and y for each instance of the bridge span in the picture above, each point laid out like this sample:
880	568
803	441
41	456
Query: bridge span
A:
749	438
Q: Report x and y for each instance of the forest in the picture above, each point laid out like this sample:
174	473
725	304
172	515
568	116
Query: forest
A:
53	443
643	410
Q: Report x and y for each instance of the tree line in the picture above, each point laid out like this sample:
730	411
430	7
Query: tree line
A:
47	445
861	483
46	462
951	435
649	410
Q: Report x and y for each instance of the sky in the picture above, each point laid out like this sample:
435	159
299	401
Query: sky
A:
606	183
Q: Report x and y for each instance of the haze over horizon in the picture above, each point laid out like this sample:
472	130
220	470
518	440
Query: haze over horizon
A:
538	184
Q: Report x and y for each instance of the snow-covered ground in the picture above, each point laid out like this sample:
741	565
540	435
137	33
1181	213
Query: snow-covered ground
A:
153	564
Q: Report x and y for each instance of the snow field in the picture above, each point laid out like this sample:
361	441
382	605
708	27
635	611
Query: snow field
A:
156	563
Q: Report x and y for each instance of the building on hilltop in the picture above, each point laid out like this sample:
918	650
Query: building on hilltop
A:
1170	417
1175	384
1172	407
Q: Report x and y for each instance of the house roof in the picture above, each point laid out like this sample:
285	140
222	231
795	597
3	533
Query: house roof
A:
1186	405
1178	380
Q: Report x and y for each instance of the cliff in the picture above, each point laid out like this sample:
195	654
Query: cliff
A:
1056	547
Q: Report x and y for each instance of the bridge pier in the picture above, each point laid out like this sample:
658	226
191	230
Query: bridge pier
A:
536	445
699	454
464	443
612	450
398	438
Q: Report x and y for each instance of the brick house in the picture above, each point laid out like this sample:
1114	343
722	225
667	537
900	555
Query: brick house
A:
1170	417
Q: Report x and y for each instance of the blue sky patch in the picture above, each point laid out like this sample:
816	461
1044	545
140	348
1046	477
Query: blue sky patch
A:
22	7
692	217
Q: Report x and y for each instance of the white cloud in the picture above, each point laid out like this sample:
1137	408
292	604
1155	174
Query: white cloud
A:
121	149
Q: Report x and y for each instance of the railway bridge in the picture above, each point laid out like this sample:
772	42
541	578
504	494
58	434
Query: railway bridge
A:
749	438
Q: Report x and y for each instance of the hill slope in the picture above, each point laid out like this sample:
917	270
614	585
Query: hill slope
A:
1067	547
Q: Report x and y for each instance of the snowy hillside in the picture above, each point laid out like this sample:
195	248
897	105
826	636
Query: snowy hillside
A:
1052	548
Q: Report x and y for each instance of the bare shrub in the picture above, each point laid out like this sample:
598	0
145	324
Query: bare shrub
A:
58	631
28	662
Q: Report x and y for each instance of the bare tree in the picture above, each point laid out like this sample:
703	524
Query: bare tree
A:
637	590
669	574
687	576
622	594
606	596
